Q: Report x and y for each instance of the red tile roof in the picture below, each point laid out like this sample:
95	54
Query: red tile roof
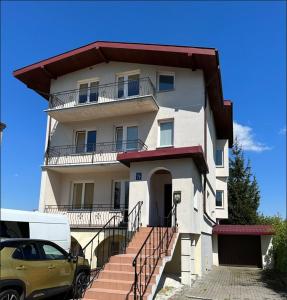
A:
195	152
243	230
38	76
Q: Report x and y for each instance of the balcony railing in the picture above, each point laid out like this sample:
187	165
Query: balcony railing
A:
103	93
91	216
91	153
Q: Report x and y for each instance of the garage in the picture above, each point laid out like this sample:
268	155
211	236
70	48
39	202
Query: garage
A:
242	245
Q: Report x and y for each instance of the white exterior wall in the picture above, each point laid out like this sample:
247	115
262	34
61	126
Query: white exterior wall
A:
58	187
266	246
184	104
206	253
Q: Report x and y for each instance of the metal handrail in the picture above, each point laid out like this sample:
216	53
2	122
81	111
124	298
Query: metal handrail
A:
107	237
156	243
91	152
120	146
102	93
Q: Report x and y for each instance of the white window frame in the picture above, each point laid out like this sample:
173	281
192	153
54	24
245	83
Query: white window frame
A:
83	191
122	196
167	74
86	136
222	151
125	133
88	81
158	134
221	206
126	76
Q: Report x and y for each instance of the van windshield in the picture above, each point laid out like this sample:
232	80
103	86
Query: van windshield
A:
13	229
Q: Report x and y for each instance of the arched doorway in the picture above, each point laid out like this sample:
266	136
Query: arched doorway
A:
76	249
160	195
111	245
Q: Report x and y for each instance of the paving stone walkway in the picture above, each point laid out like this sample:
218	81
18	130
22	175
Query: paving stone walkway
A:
234	283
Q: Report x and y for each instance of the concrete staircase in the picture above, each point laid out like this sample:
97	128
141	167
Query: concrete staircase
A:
115	281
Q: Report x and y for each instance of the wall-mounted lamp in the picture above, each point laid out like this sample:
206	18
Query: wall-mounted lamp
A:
176	197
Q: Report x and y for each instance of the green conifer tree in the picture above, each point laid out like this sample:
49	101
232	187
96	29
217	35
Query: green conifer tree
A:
243	191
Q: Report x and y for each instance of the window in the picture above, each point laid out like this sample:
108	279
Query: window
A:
165	82
27	252
132	137
166	133
128	85
83	194
219	158
219	198
86	141
11	229
52	252
89	91
91	141
121	194
80	141
119	138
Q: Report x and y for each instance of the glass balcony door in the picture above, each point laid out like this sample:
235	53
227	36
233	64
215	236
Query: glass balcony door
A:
88	92
121	194
83	194
86	141
128	86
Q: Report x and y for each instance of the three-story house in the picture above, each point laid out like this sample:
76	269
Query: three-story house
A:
136	123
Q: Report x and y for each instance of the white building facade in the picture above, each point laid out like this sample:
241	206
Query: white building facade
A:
135	122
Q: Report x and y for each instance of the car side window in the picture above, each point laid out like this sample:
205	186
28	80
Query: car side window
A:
51	252
27	252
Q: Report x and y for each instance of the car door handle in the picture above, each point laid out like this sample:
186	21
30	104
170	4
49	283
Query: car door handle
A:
51	267
20	268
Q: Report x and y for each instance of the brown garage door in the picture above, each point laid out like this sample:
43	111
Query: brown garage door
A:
240	250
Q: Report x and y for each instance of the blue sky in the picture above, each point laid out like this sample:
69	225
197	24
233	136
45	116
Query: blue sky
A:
250	37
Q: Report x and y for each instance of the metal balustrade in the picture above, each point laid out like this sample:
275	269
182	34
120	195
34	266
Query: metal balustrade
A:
91	153
90	216
104	93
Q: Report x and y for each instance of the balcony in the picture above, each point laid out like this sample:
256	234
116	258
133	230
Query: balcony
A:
90	154
90	217
104	101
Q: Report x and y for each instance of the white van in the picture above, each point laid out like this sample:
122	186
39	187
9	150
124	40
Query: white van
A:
35	225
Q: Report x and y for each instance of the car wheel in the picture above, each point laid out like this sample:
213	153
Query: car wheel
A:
9	295
81	284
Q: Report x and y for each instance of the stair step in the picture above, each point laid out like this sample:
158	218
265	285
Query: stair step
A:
116	285
118	275
134	250
124	267
108	294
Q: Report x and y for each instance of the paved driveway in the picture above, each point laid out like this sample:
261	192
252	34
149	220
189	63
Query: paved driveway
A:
235	283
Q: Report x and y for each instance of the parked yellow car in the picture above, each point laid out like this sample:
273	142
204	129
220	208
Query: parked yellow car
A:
36	269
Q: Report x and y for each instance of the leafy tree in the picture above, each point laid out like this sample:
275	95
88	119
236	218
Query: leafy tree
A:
243	191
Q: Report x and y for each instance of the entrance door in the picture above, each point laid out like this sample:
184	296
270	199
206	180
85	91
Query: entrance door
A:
167	204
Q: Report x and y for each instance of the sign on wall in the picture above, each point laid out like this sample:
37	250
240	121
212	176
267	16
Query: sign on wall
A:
138	176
